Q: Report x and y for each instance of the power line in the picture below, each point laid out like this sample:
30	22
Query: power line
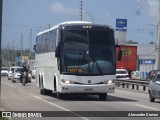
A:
23	26
129	9
117	6
135	9
122	8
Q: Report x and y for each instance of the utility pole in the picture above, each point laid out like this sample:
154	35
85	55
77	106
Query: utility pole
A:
157	64
13	52
81	9
21	41
8	49
30	53
13	44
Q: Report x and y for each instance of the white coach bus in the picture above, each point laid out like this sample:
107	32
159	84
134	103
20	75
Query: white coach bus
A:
76	57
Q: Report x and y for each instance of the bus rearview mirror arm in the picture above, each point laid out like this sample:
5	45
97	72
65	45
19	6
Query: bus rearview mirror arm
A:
119	57
57	52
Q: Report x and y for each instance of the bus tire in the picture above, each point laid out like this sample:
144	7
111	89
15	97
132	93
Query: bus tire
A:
103	96
39	81
55	86
59	95
43	91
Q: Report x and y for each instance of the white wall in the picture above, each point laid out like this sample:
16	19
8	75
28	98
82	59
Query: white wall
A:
120	37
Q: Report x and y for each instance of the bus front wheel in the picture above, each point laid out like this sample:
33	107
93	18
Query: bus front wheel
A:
43	91
59	95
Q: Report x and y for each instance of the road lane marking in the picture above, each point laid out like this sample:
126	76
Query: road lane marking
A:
58	106
9	85
14	87
52	104
146	107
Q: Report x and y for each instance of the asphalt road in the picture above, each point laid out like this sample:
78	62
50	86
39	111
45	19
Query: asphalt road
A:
15	97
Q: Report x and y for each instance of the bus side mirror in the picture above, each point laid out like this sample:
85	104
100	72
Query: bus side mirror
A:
57	52
34	47
119	55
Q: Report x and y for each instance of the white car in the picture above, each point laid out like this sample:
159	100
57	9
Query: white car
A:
11	71
135	74
16	74
154	88
122	74
34	72
4	71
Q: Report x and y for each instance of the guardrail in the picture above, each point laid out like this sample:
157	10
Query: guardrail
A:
133	84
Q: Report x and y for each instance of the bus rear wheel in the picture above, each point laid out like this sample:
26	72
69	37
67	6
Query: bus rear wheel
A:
103	96
43	91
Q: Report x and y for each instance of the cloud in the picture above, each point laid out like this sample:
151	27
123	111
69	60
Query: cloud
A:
58	8
152	6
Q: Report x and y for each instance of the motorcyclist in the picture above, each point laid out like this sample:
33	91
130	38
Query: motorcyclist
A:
22	73
24	68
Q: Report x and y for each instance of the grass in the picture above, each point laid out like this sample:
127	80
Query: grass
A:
3	118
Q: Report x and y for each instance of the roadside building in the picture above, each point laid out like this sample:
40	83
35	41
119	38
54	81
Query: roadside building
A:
146	56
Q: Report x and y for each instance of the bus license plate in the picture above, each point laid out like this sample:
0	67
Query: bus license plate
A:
88	89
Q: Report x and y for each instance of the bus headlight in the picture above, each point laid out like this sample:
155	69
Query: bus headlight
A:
29	75
67	81
108	81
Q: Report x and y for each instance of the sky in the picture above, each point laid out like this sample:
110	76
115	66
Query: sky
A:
22	16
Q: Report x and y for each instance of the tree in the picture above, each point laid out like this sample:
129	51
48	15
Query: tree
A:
131	42
18	53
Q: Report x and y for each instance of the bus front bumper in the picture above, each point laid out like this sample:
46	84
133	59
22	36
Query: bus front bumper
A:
90	89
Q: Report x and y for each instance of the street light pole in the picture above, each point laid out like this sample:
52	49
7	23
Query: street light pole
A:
157	64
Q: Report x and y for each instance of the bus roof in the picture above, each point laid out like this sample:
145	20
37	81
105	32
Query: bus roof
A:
64	23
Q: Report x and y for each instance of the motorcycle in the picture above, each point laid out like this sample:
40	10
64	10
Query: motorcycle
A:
24	78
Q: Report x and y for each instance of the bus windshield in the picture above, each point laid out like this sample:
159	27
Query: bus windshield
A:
88	52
